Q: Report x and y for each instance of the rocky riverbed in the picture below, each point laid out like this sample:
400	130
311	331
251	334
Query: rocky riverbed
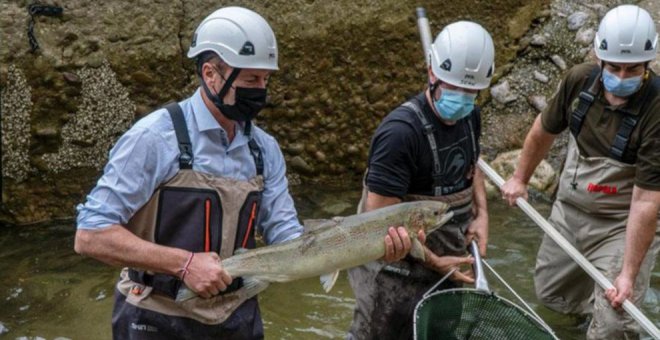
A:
343	66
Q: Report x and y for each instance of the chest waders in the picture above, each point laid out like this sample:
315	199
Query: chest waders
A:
386	293
197	212
591	211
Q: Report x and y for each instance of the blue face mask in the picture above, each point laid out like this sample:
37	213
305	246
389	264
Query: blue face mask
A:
454	105
621	87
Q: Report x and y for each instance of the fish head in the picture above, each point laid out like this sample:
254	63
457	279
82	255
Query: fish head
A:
428	216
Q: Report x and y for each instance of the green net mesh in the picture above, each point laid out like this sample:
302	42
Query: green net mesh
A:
472	314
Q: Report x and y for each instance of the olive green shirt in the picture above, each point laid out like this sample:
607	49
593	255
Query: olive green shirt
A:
602	122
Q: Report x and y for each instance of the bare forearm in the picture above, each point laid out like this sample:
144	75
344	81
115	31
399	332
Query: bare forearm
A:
375	201
117	246
479	194
640	230
536	147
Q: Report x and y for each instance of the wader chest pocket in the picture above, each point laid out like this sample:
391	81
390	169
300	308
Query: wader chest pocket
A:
189	218
247	221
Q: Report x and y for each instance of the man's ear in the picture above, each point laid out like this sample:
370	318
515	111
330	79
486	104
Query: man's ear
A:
208	73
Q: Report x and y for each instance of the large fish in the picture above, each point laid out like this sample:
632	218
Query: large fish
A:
336	244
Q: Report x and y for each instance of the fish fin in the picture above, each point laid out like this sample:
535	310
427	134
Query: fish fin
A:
184	294
250	288
328	281
417	250
253	286
317	224
240	251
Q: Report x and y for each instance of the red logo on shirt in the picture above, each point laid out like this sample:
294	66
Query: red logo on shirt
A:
606	189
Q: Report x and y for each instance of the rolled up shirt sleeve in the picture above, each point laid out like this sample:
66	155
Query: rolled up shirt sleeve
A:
139	161
278	220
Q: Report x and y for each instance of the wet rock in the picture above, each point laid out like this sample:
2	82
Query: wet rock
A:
585	52
538	40
352	150
585	36
599	9
142	78
46	132
376	92
293	179
295	149
300	165
16	107
85	143
541	77
320	156
577	20
502	93
559	62
71	78
310	148
538	102
544	176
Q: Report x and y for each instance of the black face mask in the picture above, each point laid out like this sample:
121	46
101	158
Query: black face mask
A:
249	101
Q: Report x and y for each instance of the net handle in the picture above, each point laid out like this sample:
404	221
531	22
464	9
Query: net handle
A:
480	281
597	276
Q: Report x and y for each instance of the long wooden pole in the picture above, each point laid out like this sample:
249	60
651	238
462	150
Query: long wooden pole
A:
595	274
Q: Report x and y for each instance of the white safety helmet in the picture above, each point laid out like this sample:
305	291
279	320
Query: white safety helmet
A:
239	36
626	35
463	55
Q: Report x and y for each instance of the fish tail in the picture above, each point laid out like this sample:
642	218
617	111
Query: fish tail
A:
252	287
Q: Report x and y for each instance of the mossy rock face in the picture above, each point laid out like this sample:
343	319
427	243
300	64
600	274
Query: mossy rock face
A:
101	65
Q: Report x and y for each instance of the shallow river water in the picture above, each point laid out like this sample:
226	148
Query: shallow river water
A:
47	291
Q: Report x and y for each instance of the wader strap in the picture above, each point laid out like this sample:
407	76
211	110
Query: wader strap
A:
620	145
181	130
587	97
622	138
475	156
254	149
428	131
257	155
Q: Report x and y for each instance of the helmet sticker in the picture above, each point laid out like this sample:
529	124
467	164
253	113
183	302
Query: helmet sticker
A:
248	49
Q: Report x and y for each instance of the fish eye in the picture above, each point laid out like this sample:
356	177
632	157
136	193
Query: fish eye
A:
435	213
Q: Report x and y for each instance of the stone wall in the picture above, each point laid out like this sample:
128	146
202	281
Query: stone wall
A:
103	64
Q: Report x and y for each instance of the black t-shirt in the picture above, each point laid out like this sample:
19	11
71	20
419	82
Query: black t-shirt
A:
400	160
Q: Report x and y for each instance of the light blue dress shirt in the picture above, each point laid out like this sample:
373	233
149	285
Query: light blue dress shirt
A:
147	156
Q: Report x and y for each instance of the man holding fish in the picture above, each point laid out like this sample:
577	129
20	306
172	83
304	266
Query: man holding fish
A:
427	149
188	185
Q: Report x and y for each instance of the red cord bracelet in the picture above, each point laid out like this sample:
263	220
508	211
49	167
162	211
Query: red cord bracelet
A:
184	270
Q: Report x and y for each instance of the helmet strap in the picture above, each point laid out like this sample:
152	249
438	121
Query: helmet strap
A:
217	99
228	83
